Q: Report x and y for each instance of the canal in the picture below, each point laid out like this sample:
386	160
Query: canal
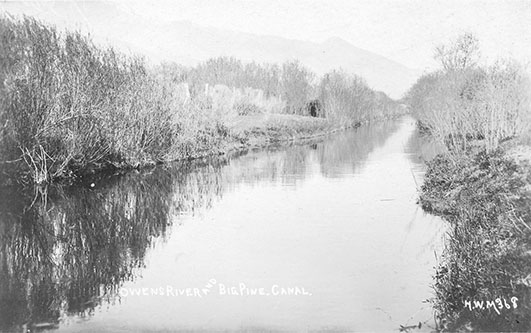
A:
320	235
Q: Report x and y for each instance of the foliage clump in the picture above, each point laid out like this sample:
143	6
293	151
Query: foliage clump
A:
69	107
479	114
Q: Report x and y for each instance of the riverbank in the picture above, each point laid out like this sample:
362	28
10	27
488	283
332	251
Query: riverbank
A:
238	134
483	281
481	115
69	107
120	232
262	130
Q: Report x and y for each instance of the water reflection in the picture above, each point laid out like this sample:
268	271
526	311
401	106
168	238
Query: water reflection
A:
336	156
64	252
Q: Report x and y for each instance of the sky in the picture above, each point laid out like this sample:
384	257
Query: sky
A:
404	31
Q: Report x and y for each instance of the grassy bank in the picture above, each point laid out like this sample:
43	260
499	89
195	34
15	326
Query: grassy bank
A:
69	107
482	185
487	198
262	130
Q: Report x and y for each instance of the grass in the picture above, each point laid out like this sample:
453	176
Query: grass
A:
261	130
486	197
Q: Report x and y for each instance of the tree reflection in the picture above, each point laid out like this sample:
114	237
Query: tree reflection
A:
348	151
66	250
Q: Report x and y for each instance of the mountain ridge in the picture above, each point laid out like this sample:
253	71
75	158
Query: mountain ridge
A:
188	43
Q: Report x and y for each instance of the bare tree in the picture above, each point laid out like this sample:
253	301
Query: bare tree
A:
463	53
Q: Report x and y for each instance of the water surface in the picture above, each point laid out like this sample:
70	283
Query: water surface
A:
329	230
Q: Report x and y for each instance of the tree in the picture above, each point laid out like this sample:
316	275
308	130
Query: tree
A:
462	54
296	86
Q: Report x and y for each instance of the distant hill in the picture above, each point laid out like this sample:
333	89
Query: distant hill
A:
187	43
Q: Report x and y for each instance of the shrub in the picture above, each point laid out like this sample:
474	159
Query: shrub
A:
68	105
464	104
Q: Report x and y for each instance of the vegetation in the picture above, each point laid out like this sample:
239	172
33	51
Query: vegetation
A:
482	116
68	107
487	256
67	250
347	100
464	104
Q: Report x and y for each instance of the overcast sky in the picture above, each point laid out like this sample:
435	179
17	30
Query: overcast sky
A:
405	31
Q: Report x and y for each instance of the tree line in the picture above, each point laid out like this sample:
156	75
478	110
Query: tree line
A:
68	105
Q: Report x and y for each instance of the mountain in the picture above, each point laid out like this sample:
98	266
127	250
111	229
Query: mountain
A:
188	43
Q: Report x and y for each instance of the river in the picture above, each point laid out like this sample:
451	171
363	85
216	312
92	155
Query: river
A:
322	235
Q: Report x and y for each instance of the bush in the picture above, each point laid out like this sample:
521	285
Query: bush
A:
68	105
467	103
